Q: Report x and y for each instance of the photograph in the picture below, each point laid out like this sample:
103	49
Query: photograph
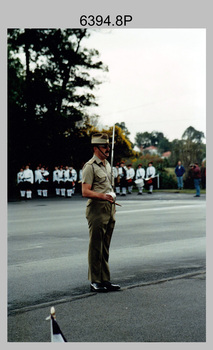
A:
106	144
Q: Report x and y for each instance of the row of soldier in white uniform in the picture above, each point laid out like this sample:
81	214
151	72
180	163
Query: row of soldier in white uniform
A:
63	180
126	176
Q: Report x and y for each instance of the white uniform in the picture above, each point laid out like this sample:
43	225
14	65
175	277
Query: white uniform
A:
61	182
115	172
20	182
61	175
28	181
43	183
129	176
56	181
123	183
150	173
66	175
140	174
55	175
68	182
74	179
20	177
74	174
28	176
37	175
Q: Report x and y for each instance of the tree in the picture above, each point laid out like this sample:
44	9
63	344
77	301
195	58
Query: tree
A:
193	148
123	127
143	139
155	138
189	149
191	134
49	92
164	145
177	152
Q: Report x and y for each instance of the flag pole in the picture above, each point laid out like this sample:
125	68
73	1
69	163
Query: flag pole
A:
112	156
52	315
112	150
56	335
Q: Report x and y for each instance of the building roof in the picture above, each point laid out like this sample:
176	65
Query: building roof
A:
150	148
166	154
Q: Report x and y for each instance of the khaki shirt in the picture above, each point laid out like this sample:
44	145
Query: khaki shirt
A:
97	175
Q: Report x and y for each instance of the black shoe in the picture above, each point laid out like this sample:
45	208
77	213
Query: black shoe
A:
139	193
110	287
197	195
97	287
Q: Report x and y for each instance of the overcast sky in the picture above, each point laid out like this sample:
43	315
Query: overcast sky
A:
156	79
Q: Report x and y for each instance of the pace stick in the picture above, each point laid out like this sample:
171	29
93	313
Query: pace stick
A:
112	151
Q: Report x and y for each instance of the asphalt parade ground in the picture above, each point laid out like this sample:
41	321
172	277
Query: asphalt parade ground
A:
168	305
163	311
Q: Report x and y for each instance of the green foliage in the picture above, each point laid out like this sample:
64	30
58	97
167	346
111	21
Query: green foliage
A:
167	181
122	125
49	92
145	159
123	146
193	135
156	139
189	149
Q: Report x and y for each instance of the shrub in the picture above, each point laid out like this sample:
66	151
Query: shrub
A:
167	181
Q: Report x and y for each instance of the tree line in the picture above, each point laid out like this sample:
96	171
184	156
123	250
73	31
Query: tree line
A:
50	90
190	148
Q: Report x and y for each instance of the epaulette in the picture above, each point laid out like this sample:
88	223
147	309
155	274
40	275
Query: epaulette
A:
91	161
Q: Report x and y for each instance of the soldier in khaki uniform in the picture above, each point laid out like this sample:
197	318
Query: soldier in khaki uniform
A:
100	213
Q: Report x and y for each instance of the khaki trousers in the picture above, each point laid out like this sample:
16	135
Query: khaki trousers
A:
101	222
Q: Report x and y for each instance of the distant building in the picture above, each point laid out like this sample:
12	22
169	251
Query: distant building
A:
151	150
166	154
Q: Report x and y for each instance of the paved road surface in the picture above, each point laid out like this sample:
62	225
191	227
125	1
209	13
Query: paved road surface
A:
155	237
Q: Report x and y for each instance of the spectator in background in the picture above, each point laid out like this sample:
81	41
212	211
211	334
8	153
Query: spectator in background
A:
197	179
189	179
203	175
179	171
